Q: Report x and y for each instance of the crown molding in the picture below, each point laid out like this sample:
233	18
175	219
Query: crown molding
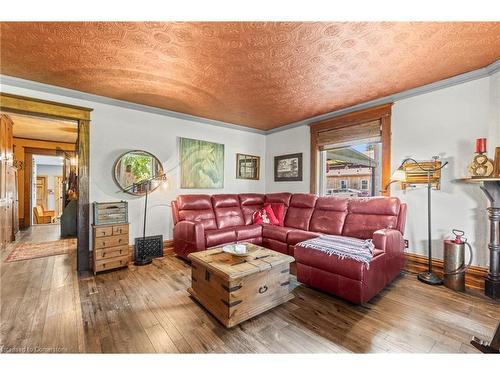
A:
80	95
438	85
75	94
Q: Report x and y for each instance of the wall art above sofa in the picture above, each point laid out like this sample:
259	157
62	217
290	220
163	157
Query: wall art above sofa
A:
202	164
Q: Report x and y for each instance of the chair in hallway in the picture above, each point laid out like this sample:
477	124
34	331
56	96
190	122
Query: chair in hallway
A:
42	216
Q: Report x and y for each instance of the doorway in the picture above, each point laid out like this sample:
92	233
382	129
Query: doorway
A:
46	196
79	179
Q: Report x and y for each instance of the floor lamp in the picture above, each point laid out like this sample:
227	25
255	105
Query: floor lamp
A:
400	175
145	244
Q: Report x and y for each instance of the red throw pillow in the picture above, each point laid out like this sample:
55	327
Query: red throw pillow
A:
279	212
265	216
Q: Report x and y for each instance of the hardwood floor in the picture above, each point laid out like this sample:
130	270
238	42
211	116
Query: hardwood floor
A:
46	307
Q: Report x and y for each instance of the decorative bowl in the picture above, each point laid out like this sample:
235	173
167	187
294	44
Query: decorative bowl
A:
236	249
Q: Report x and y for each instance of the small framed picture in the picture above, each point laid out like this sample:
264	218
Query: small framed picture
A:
247	167
288	167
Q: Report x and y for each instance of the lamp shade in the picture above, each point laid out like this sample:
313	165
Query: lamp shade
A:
399	175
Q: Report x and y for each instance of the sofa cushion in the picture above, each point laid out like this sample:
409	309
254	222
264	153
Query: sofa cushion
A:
245	232
275	232
265	216
279	198
275	245
250	203
367	215
329	215
196	207
227	210
349	268
279	212
300	211
297	235
217	237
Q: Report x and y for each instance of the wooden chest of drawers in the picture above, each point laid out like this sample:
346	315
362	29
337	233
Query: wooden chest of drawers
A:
111	248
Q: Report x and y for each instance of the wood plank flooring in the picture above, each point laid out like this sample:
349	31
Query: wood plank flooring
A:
46	307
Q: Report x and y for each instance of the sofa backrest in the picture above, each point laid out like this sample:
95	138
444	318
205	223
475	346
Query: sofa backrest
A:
329	215
367	215
279	198
300	211
227	210
250	203
353	217
196	208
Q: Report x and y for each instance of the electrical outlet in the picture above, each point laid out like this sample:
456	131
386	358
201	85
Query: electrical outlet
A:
407	244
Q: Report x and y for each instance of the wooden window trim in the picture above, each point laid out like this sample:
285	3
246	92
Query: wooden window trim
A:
382	113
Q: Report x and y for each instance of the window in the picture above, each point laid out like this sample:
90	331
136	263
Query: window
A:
336	145
352	170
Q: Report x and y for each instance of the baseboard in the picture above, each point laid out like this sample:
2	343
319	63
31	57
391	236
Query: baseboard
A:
474	277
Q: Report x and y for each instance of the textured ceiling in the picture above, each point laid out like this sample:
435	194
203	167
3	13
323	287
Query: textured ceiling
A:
44	129
261	75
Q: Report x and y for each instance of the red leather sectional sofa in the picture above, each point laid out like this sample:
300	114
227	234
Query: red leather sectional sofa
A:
203	221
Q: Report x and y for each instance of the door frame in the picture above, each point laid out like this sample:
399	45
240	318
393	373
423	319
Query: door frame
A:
45	108
58	195
28	182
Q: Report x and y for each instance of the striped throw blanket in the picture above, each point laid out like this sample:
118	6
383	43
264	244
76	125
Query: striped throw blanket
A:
343	247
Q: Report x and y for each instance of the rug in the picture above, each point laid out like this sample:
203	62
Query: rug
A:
33	250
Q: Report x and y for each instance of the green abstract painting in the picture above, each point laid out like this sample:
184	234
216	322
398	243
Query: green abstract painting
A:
202	164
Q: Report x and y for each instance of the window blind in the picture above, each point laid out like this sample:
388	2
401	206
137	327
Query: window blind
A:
367	130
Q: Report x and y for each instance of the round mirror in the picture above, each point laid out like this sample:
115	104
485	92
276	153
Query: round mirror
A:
135	171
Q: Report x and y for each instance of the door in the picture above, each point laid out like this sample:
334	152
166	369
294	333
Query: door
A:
41	191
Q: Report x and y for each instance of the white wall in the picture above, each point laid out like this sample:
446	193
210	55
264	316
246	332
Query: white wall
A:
445	122
290	141
115	130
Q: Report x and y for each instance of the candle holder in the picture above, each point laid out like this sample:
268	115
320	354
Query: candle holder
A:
481	165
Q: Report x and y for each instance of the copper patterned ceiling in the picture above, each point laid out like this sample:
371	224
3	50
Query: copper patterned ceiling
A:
262	75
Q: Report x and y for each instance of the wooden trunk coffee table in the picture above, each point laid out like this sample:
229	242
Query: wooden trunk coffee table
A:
235	288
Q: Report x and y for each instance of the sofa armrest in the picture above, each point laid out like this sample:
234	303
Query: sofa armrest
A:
191	234
389	240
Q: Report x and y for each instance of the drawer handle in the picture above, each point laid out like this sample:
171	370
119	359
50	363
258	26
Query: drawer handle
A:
119	230
120	240
103	233
263	289
103	243
103	255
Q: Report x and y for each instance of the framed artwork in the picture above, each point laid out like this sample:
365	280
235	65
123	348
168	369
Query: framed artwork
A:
247	167
201	164
288	167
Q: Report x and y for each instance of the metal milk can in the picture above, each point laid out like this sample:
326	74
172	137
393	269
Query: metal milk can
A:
454	267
